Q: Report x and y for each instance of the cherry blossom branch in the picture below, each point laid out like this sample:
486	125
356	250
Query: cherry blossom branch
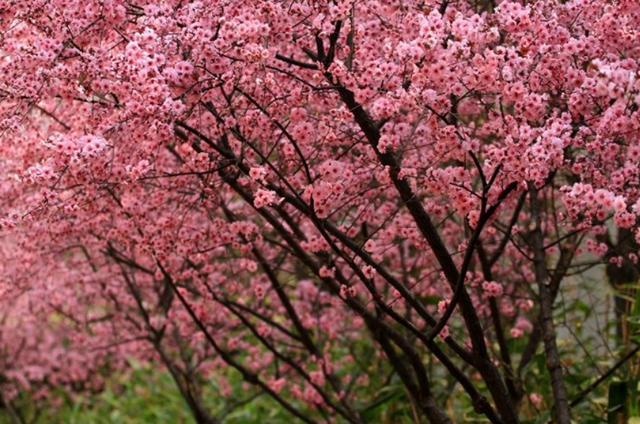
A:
497	253
296	202
484	218
480	403
348	415
426	227
320	225
155	336
247	375
294	62
282	128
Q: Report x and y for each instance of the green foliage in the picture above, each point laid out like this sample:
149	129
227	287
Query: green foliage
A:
139	396
147	395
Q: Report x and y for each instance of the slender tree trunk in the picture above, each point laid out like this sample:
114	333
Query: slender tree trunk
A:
561	409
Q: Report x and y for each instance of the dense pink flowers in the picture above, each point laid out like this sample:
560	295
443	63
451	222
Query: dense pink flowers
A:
286	179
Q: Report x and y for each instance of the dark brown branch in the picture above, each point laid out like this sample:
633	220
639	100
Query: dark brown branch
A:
333	41
484	218
507	234
295	62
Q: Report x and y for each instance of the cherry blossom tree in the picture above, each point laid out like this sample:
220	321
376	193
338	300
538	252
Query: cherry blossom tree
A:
312	194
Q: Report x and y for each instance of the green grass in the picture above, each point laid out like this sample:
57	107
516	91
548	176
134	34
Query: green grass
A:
144	395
